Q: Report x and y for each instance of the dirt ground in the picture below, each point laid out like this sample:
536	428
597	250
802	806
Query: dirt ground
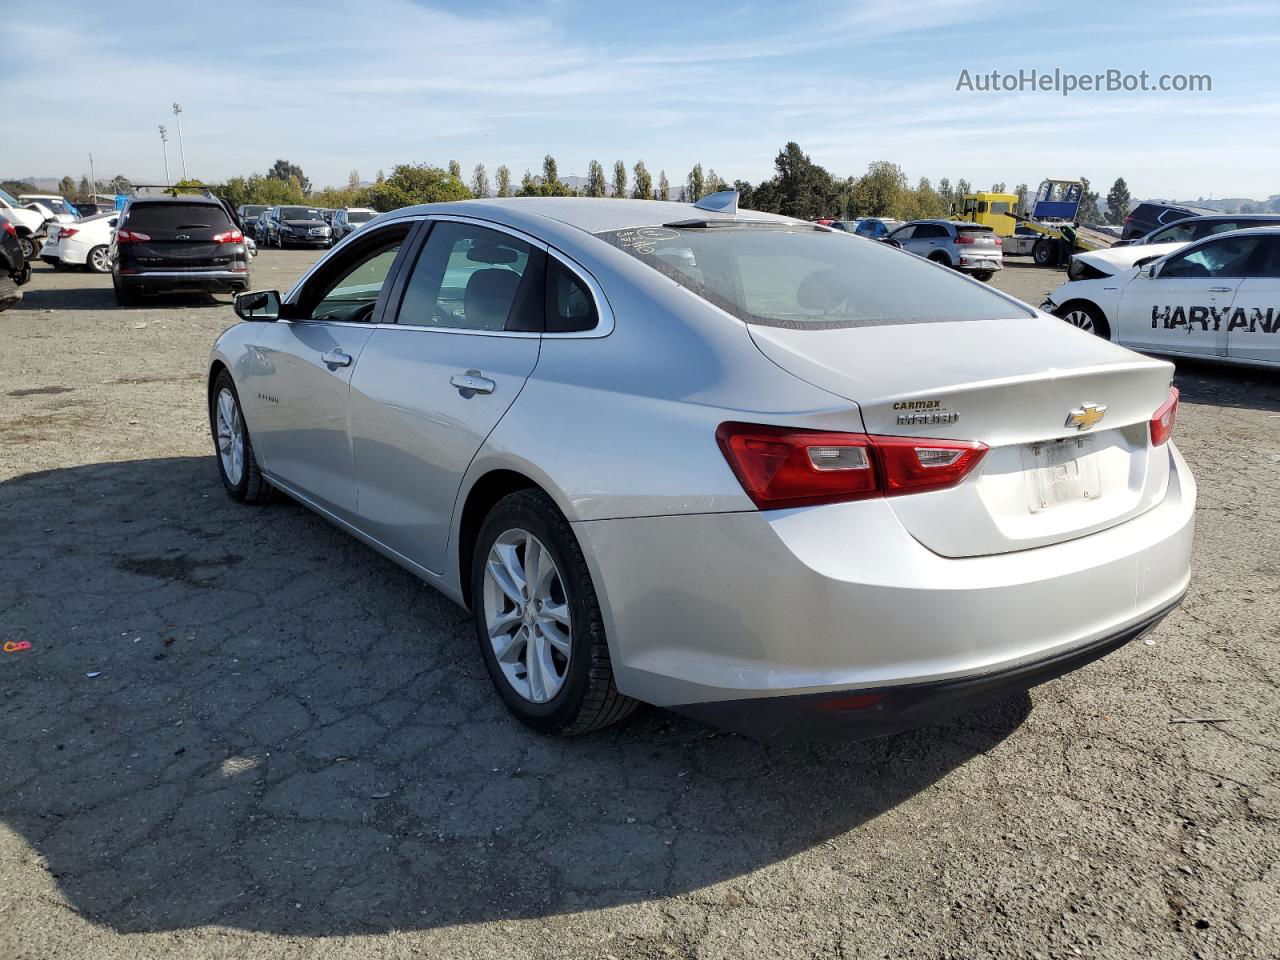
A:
238	733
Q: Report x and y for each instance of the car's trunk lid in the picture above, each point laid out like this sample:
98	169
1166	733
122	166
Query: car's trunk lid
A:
1014	385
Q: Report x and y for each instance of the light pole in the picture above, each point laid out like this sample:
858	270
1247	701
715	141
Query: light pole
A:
177	109
164	145
93	183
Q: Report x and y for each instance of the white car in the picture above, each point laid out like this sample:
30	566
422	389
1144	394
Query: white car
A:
1217	298
29	224
85	243
58	207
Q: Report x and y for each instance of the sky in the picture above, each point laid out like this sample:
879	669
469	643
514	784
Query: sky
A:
340	86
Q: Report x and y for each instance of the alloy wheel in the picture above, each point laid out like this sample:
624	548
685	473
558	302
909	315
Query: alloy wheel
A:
1079	318
100	260
230	428
526	612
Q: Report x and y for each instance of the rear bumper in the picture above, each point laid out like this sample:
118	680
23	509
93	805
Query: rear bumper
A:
788	604
866	713
210	281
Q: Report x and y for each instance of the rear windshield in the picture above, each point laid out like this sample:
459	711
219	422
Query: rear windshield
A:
808	278
982	232
178	216
360	216
300	213
253	211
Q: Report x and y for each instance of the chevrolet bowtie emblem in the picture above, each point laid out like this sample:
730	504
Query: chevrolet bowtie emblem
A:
1086	415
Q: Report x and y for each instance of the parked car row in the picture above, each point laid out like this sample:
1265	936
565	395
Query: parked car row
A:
296	226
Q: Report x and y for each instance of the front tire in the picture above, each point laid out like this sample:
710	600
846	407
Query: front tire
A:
1086	316
232	445
29	246
538	621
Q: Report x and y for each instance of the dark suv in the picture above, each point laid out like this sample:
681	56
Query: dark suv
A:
298	226
178	243
1150	214
1197	228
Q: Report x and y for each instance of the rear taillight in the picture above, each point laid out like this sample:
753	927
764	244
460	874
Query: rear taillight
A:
1163	420
66	232
962	238
1129	219
782	467
997	240
131	236
230	236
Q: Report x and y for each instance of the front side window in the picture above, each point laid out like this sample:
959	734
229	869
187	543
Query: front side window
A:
349	288
1228	257
806	278
472	278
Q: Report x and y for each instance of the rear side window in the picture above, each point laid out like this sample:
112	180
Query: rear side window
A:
473	278
930	231
808	278
570	306
178	217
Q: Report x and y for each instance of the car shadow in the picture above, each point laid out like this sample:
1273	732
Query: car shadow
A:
241	716
103	298
1218	384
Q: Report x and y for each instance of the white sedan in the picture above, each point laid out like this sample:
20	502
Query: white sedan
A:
85	243
1217	298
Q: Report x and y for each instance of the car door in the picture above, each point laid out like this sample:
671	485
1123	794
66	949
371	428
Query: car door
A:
296	392
1185	306
431	387
1253	332
928	237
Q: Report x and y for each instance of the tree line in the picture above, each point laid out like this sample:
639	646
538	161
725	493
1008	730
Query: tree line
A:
799	188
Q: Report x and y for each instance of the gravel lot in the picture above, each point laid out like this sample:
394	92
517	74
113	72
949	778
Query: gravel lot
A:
239	733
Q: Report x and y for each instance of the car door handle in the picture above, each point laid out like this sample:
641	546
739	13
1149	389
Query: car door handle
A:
471	383
1219	289
336	358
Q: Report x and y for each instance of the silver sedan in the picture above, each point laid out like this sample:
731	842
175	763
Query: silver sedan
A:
789	481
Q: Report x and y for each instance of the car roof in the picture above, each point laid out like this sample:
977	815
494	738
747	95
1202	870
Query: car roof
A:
592	214
1227	216
180	198
945	222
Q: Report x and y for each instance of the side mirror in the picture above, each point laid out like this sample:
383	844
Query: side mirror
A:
259	305
1147	268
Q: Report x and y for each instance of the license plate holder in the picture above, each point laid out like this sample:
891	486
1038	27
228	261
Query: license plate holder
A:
1062	472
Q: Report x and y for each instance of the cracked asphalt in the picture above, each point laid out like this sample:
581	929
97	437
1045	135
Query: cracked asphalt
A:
238	733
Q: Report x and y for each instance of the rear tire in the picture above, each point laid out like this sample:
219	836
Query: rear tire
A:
983	275
940	258
1045	253
124	296
584	697
29	246
232	445
99	259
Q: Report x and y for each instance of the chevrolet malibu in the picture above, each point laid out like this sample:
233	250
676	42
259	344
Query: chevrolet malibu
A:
744	467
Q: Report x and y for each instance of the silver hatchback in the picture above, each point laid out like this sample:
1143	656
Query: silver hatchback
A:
970	247
785	480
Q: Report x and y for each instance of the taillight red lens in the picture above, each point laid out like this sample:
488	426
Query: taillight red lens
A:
1163	420
10	229
997	240
231	236
964	238
131	236
783	467
66	232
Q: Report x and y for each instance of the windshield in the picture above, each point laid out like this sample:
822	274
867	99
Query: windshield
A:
252	210
300	213
807	278
56	204
11	201
360	216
